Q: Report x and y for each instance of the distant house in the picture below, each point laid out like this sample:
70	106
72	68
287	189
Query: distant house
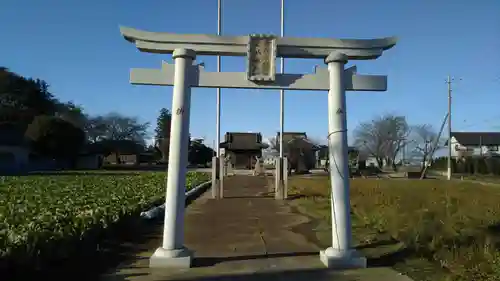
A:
117	151
299	150
323	152
353	152
89	157
14	153
242	148
474	144
127	159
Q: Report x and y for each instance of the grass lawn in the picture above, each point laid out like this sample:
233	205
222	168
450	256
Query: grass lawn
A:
430	230
45	217
481	178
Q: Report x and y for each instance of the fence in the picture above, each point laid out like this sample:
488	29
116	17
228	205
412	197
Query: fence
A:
470	165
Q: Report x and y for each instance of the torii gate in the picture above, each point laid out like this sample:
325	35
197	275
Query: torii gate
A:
261	52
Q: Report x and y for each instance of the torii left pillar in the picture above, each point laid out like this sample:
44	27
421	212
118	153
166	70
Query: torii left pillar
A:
172	252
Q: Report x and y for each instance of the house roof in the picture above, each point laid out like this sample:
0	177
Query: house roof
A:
288	136
477	138
243	141
323	150
301	143
297	140
243	146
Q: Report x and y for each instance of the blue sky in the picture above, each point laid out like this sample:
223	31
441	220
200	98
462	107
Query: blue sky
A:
76	46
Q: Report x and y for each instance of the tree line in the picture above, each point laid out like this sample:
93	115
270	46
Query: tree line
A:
31	115
390	141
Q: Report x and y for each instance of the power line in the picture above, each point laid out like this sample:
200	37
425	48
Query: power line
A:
487	120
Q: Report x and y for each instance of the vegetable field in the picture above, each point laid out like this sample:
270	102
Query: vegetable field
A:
42	216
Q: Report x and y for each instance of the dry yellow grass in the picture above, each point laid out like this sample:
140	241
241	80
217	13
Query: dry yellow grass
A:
431	229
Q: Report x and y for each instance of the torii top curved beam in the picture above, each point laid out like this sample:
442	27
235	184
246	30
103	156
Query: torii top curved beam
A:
205	44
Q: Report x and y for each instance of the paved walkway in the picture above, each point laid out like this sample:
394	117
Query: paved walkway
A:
245	236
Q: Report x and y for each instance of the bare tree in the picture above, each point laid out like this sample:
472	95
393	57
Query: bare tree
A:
121	127
95	128
270	150
274	144
382	138
424	142
114	126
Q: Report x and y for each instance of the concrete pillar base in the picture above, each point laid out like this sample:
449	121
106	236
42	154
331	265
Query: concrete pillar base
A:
179	258
279	190
221	171
332	258
215	189
216	178
281	179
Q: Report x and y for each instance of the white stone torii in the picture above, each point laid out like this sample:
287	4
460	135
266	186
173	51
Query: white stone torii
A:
183	75
317	81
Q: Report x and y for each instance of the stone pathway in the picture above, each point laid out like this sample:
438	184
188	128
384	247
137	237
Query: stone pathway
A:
245	236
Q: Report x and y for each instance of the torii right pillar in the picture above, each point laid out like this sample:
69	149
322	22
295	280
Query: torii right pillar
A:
340	254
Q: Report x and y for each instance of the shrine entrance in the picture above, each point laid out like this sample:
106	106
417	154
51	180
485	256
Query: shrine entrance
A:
261	52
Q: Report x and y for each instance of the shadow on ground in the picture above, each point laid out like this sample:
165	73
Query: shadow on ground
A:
316	275
92	258
85	173
381	253
208	261
250	197
290	275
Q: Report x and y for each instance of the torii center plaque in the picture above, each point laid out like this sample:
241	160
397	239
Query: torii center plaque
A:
261	58
261	51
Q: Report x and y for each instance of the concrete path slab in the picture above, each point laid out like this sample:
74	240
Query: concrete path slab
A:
245	236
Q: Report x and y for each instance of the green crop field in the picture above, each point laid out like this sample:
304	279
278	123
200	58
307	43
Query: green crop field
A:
41	214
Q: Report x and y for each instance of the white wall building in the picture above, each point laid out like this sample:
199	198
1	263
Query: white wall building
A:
475	144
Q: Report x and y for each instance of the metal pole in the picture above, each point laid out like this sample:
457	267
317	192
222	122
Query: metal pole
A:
282	92
219	29
217	188
280	173
448	81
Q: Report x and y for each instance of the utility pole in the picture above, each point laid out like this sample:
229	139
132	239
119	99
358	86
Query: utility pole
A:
448	81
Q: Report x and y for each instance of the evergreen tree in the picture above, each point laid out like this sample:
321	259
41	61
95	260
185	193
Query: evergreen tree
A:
162	129
162	132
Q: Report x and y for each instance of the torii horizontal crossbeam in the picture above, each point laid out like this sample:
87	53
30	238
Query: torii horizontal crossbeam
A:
319	81
205	44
